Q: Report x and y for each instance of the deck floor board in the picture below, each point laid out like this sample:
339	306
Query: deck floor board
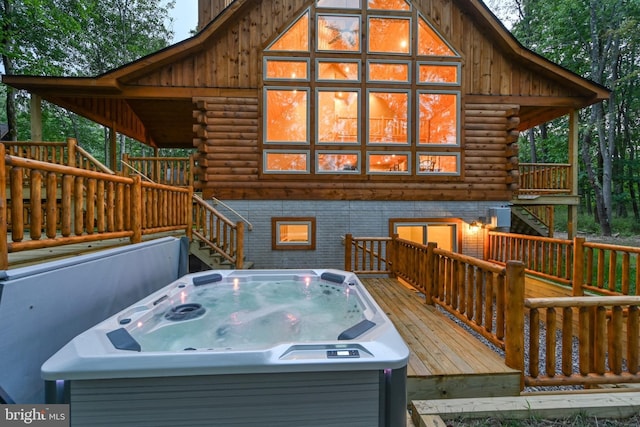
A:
445	359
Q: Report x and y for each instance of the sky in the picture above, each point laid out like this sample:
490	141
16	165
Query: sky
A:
185	18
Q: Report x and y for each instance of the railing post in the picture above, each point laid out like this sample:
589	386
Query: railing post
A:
577	275
430	279
514	336
486	244
240	245
393	256
71	152
190	202
4	247
136	209
348	241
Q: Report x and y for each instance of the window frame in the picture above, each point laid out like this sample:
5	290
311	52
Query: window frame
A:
278	245
366	136
285	172
456	222
359	137
407	17
438	154
356	171
458	128
390	62
266	116
267	59
458	66
389	153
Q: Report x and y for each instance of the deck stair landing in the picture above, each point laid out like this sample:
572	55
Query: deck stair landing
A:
445	360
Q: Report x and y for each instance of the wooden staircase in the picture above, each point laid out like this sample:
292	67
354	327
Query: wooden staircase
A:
523	221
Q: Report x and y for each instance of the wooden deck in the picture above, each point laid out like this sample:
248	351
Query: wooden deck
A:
445	361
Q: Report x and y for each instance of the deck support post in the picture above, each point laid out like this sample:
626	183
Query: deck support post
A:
514	336
348	241
4	246
239	245
430	277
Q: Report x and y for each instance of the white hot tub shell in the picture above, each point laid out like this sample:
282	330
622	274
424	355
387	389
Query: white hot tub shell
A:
357	378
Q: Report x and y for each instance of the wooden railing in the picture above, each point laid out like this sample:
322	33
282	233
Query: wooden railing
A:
601	333
544	178
367	255
71	205
67	153
218	233
586	266
177	171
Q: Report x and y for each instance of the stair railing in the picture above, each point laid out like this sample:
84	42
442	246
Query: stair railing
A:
217	232
218	201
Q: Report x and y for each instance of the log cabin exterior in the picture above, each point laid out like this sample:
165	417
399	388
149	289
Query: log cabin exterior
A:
319	118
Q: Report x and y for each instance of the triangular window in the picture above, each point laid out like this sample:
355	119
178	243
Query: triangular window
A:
429	41
295	38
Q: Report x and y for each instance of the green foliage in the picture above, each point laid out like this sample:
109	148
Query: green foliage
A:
77	38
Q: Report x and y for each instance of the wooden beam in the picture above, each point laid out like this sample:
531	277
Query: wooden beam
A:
572	220
36	117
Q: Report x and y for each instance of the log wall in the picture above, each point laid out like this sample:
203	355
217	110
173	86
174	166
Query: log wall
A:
229	156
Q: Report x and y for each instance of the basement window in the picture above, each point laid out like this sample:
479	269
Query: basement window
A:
293	234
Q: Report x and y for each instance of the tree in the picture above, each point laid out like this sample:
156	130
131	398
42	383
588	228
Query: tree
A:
75	38
599	40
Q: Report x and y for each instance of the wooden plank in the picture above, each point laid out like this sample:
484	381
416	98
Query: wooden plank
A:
602	405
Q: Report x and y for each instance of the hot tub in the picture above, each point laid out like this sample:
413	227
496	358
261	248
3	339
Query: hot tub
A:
239	348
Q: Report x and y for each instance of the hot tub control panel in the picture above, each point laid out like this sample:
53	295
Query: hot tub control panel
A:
340	354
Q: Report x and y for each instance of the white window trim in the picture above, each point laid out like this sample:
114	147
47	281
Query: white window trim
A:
436	154
436	63
284	59
272	172
265	118
357	171
458	113
389	153
391	62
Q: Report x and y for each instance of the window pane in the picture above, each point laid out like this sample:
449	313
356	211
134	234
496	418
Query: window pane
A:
339	4
338	163
286	162
338	70
296	38
438	118
389	72
289	70
286	115
388	5
443	235
388	116
340	33
438	163
388	163
294	233
389	35
432	73
430	43
338	116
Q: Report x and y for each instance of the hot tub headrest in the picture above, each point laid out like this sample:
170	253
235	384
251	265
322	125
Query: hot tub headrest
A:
208	278
332	277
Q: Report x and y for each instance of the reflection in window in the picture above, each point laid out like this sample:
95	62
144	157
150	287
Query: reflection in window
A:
438	118
433	163
286	161
296	38
437	73
388	117
389	35
388	5
286	115
333	70
286	69
293	233
338	162
430	43
388	71
338	116
387	163
339	4
341	33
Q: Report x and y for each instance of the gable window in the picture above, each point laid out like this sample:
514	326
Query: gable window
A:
341	77
293	233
